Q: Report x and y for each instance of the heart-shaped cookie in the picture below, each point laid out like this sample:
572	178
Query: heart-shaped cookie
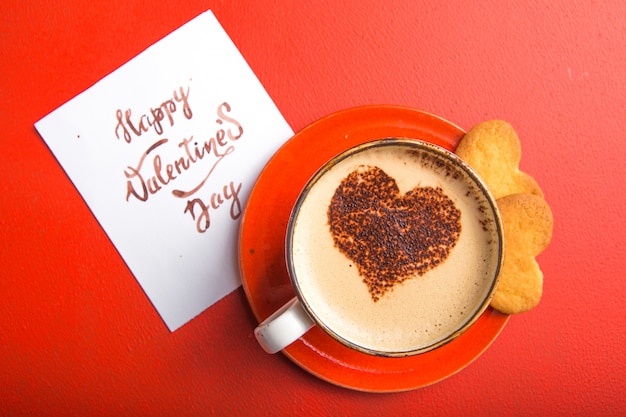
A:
527	222
388	236
494	150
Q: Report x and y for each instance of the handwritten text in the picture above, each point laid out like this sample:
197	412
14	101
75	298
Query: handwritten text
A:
229	192
128	128
152	173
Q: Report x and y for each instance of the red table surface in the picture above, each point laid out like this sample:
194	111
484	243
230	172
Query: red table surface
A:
79	337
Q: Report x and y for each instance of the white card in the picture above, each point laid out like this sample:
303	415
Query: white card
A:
165	151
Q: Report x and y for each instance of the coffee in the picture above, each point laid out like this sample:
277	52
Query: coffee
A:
394	247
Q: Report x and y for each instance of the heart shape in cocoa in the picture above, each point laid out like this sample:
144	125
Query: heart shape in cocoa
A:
391	237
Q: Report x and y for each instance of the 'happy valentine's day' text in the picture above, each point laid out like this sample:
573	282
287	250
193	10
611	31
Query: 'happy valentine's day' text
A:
159	165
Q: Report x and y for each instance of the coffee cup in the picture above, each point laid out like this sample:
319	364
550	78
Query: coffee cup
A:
393	248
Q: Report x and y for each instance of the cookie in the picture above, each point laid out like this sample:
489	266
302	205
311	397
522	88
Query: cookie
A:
493	150
527	224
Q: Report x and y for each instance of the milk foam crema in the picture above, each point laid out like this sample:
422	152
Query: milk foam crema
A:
420	311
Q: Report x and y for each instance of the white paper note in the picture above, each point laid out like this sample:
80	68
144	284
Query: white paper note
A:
165	151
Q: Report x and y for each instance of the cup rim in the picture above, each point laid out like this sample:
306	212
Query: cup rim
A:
415	144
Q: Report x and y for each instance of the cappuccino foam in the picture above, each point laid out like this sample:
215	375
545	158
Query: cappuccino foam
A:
418	310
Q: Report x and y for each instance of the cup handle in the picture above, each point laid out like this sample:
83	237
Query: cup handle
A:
283	327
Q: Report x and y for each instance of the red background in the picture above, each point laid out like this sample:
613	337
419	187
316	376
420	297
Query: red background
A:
79	337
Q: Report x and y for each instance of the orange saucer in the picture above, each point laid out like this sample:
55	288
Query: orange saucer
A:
262	251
